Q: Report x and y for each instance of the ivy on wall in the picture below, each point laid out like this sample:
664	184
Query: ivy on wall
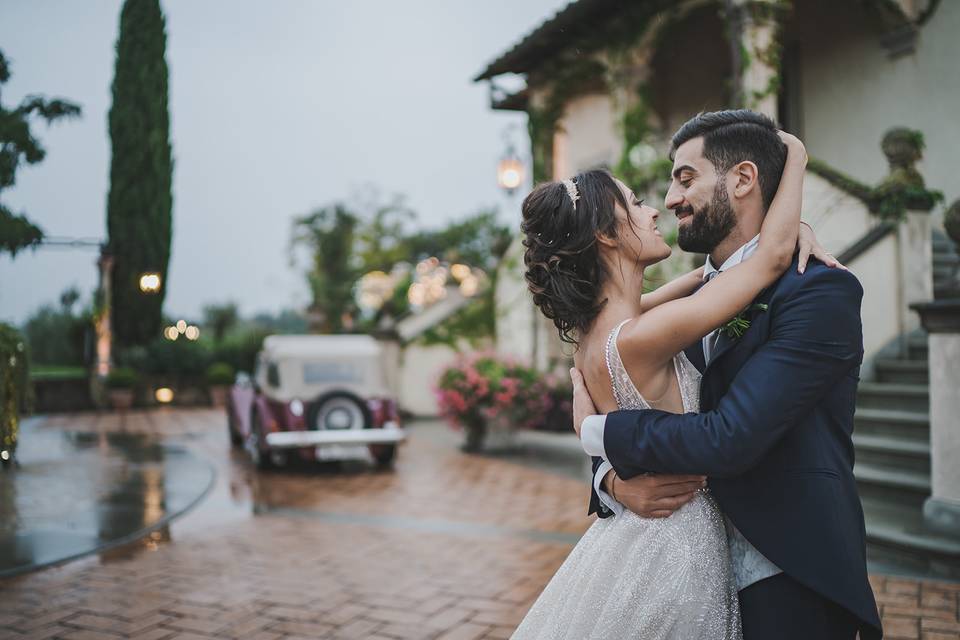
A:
902	190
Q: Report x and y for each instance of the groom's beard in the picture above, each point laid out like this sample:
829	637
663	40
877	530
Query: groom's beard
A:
709	225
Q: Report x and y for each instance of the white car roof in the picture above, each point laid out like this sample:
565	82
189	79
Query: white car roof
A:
322	346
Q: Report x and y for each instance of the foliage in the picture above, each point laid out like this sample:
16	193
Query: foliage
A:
485	387
474	323
220	318
239	349
122	378
478	240
56	372
951	221
17	146
330	232
14	385
382	236
902	190
220	373
139	203
57	336
346	243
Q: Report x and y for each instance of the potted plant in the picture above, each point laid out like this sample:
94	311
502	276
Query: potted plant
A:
121	382
220	376
486	391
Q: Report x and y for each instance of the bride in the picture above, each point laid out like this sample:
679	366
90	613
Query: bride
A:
588	241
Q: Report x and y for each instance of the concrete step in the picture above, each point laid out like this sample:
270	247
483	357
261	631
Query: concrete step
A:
892	452
899	543
902	371
902	488
911	425
889	395
918	347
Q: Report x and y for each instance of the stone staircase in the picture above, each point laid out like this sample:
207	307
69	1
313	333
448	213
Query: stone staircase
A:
892	441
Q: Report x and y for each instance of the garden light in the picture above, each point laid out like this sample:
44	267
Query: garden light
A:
150	282
171	333
459	271
181	326
510	173
469	286
164	395
192	332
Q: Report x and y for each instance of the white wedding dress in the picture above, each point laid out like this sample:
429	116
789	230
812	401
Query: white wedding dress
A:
643	579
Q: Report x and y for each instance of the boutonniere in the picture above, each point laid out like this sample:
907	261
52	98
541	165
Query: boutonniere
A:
740	323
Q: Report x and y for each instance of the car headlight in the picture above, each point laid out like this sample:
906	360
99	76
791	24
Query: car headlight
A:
296	408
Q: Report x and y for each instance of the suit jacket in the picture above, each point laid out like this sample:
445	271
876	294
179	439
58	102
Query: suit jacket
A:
774	435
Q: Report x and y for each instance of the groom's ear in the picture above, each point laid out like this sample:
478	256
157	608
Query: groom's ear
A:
746	179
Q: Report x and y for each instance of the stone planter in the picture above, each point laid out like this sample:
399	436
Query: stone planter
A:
218	395
121	399
475	433
490	436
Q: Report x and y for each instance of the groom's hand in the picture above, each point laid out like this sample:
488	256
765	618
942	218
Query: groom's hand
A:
656	496
582	402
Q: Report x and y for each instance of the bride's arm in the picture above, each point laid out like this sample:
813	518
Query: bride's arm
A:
679	287
684	285
656	336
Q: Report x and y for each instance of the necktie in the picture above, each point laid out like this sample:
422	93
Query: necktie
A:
710	340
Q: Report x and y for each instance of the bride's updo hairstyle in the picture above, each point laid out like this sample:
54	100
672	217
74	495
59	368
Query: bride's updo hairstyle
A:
560	225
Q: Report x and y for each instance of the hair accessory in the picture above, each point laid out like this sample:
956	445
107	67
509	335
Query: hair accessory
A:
572	191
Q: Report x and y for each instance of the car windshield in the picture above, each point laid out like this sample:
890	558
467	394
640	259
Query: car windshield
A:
325	372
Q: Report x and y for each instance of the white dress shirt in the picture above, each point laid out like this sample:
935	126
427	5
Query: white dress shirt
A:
749	565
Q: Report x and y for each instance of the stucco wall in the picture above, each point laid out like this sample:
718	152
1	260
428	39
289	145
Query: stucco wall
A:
852	92
587	136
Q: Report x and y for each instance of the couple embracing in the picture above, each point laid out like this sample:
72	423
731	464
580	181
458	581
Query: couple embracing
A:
718	409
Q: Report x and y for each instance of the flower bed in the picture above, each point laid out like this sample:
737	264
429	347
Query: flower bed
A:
484	390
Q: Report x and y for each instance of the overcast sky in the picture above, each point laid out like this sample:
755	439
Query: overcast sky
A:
276	107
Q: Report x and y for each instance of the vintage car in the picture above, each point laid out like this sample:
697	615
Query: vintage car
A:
316	397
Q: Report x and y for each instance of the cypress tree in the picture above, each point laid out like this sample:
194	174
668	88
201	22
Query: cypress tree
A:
139	204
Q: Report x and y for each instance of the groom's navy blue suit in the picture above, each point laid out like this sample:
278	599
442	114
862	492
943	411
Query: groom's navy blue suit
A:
774	437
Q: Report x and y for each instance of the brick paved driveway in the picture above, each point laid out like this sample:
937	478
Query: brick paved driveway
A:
447	546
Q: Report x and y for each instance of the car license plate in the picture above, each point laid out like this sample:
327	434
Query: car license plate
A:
342	452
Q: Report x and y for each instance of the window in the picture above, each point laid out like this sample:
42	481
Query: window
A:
322	372
273	375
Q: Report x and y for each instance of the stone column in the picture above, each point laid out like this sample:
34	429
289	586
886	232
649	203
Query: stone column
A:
755	33
941	319
903	149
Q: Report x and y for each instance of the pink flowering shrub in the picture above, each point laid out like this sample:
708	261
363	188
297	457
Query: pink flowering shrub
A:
484	387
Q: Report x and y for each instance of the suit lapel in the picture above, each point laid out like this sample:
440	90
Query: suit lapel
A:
695	355
724	342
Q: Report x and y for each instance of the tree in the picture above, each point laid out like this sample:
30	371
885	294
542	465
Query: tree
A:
330	233
478	240
17	145
220	318
140	201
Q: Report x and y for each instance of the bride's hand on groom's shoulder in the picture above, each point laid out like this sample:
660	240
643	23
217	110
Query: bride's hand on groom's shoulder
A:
582	402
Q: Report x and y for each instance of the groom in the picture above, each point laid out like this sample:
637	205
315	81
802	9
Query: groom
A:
777	403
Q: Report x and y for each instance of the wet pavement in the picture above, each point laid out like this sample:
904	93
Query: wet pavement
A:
74	493
445	546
